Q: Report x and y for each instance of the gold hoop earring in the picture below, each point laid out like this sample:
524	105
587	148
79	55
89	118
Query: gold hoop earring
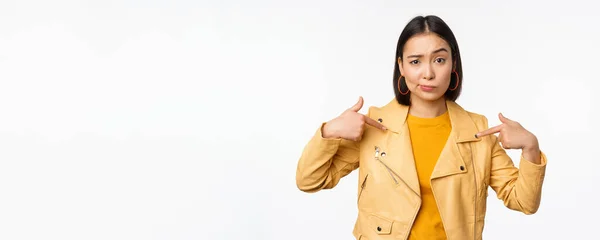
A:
457	80
400	88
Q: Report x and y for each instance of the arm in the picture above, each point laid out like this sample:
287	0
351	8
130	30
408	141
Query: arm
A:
520	189
325	161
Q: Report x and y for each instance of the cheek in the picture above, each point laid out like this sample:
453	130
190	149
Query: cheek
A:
412	78
445	79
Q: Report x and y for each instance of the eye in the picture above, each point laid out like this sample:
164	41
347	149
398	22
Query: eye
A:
413	62
440	60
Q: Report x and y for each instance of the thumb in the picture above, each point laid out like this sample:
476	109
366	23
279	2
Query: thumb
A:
503	119
358	105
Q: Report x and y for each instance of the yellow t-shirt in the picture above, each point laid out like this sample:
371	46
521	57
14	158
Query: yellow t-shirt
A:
428	137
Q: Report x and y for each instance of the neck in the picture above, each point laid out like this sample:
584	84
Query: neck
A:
427	109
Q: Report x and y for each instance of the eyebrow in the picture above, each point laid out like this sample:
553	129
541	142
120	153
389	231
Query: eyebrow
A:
434	52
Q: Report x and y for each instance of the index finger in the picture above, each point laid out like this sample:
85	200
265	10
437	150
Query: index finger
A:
489	131
374	123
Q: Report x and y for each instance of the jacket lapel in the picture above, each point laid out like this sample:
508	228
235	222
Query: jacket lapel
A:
456	153
401	159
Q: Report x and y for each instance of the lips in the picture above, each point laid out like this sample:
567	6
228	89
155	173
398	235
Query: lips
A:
426	88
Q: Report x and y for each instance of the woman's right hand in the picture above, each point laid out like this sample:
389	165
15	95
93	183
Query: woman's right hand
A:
350	125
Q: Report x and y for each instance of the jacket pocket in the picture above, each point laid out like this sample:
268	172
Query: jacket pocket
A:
362	187
380	225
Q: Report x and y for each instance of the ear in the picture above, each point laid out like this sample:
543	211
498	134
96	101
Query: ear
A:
400	65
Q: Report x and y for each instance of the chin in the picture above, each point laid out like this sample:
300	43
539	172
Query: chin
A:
427	96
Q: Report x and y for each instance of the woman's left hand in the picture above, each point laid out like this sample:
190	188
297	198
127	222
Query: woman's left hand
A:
514	136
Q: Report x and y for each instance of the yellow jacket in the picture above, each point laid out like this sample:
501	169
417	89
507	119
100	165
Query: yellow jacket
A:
388	195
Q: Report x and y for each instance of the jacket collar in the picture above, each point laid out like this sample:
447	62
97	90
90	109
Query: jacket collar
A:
453	157
393	115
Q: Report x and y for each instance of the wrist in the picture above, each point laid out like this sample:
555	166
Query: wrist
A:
533	145
532	155
531	150
326	131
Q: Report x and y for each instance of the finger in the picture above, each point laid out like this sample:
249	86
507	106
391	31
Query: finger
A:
503	119
489	131
501	141
375	123
505	145
358	105
505	141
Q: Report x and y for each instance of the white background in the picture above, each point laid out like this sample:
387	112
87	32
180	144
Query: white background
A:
185	119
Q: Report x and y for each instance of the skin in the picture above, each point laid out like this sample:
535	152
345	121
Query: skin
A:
426	62
427	66
350	124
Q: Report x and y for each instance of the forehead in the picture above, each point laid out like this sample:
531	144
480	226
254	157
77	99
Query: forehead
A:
424	43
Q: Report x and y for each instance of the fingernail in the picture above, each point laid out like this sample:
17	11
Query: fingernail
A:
384	128
476	135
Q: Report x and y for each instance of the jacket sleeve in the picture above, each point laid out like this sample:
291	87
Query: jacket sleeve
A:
324	161
520	189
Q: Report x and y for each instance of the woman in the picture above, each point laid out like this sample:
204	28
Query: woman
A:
424	162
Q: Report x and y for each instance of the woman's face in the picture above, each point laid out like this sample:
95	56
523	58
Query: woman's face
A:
426	64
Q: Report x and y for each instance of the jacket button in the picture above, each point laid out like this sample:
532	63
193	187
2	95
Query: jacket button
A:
462	168
379	229
380	120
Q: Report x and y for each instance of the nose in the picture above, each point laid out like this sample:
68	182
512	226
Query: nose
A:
428	74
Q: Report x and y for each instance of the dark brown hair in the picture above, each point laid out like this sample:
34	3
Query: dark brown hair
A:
435	25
